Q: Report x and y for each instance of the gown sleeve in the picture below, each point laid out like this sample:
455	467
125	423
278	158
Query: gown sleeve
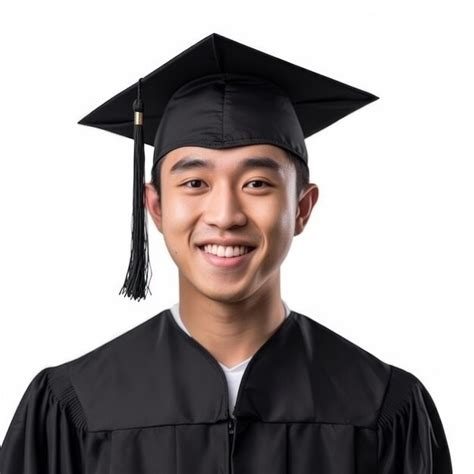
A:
44	436
411	438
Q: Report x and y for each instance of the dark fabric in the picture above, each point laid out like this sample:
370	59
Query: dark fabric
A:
220	93
154	401
227	110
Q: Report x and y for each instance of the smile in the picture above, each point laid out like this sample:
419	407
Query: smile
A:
226	257
226	251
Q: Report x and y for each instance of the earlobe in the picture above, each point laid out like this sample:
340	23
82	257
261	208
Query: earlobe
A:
153	205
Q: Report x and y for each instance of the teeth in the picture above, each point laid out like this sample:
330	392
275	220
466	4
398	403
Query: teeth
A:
227	251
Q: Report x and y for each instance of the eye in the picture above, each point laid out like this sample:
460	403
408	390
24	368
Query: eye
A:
200	181
259	181
193	181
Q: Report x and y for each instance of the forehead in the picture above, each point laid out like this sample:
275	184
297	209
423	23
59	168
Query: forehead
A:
270	157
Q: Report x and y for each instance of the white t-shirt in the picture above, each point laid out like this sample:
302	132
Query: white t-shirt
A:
233	374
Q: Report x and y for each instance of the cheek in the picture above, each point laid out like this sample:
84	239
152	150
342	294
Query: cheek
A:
276	222
177	215
177	220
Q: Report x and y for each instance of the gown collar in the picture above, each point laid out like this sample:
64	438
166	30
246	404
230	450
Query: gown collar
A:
156	374
241	406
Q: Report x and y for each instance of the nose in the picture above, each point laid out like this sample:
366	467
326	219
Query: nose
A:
223	208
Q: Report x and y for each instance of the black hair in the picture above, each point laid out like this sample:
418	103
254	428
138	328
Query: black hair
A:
302	173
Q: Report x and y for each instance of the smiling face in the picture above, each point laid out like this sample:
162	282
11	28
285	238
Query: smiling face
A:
240	196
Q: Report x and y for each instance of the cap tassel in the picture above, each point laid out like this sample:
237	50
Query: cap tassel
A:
136	284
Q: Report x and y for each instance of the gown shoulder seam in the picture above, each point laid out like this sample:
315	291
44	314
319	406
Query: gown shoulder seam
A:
397	395
61	388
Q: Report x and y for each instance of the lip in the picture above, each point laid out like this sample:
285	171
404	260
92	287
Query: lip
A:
226	243
226	262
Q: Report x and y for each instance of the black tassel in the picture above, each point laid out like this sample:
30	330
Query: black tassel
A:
136	284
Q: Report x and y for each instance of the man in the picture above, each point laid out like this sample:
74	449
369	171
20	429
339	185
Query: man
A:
228	380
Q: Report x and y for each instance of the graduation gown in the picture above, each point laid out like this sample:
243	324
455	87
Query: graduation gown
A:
154	401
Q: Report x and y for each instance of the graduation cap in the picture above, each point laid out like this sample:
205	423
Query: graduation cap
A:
218	93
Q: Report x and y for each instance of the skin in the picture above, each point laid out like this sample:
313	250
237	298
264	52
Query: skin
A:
231	312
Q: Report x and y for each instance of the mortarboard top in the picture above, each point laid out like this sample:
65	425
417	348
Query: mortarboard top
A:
218	93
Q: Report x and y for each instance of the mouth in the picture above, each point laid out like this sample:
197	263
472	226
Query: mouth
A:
226	259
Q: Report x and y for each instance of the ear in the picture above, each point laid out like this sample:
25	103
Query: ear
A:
306	202
153	204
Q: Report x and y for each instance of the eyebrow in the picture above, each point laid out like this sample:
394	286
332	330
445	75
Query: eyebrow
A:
189	162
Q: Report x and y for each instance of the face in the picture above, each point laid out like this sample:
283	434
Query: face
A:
220	199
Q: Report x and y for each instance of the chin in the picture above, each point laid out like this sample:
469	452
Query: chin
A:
224	293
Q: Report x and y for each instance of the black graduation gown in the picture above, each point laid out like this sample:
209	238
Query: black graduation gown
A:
154	401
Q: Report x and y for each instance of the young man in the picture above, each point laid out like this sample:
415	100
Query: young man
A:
229	380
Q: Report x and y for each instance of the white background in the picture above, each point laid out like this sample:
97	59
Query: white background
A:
387	257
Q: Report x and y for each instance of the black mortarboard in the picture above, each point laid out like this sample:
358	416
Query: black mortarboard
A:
218	93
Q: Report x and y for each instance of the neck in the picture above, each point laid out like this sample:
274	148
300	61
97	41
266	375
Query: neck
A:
231	331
